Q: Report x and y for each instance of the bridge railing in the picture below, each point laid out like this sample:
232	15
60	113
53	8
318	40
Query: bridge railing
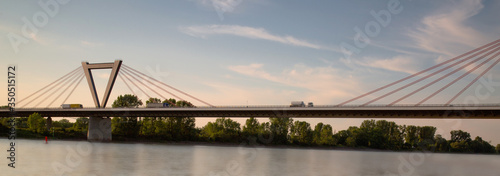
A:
288	106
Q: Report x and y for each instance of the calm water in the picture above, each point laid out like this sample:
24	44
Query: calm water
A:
34	157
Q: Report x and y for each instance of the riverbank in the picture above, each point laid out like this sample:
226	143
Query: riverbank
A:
246	145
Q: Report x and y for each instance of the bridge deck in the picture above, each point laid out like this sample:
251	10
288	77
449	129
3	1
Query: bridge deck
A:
471	112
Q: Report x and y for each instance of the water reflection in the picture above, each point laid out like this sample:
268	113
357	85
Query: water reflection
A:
34	157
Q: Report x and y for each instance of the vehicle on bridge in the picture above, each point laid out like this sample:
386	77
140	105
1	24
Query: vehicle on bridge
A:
157	105
72	106
297	104
301	104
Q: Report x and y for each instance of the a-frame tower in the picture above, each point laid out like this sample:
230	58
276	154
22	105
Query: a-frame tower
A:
100	127
87	69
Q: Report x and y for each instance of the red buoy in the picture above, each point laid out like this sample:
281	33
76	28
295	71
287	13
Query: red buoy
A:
46	139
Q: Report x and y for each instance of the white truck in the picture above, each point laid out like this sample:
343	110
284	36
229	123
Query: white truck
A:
297	104
301	104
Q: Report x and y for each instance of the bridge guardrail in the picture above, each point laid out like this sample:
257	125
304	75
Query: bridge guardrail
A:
287	106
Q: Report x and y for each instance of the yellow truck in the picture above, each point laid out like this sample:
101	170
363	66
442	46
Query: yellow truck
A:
72	106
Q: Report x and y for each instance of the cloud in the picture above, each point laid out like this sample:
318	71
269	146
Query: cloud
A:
325	85
227	5
249	32
447	31
254	70
223	93
400	63
221	6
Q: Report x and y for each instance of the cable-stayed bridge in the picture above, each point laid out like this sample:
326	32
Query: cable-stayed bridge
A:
474	65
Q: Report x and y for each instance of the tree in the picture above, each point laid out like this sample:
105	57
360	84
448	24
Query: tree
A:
478	145
153	100
426	133
461	147
352	136
425	137
5	125
498	148
373	134
181	128
81	124
22	122
212	131
126	126
317	133
36	123
223	130
170	101
326	135
148	126
392	134
183	103
323	135
460	141
380	134
411	135
279	129
161	129
265	136
127	101
341	137
459	136
441	144
301	133
64	123
170	128
363	136
251	127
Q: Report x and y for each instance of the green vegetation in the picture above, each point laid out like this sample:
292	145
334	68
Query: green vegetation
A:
222	130
36	123
157	128
381	134
125	126
81	124
301	133
34	126
323	135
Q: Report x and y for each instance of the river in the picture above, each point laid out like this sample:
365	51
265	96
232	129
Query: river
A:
34	157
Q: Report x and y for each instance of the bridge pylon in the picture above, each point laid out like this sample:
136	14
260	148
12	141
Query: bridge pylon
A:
100	127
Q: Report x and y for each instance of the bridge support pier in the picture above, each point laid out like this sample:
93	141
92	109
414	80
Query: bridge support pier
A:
49	123
99	129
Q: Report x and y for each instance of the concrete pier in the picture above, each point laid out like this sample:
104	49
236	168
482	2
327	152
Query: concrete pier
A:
49	123
99	129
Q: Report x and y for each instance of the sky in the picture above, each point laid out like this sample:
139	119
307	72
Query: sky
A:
256	52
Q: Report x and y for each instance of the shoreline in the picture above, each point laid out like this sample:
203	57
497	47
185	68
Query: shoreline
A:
246	145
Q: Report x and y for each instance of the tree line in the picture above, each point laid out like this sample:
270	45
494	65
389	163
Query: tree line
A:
381	134
35	126
375	134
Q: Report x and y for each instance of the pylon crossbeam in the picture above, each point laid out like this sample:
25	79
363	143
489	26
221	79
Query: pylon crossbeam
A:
87	68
